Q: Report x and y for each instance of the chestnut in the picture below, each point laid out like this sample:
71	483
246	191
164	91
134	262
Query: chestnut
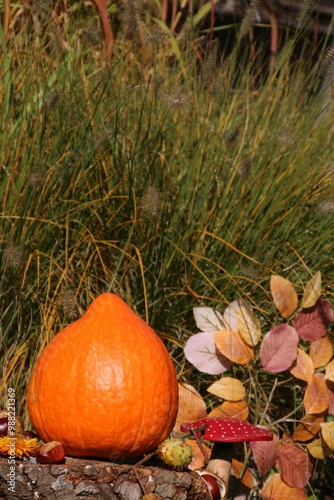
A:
3	426
214	484
51	453
30	434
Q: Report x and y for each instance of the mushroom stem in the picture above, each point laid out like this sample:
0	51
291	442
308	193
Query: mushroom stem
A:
220	462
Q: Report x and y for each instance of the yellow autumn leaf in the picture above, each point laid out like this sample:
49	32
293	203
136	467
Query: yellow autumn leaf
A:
284	295
303	366
312	291
308	427
316	398
248	326
234	409
276	489
327	432
321	351
329	374
318	449
228	388
231	344
191	406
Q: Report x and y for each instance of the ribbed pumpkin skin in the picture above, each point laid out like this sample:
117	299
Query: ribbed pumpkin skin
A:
105	386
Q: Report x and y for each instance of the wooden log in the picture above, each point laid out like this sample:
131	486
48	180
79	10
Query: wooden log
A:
82	478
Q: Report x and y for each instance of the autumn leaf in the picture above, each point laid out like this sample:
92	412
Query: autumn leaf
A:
321	351
284	295
247	477
316	397
327	432
309	427
231	345
312	291
295	465
201	351
276	489
312	323
228	388
208	319
302	367
318	449
265	454
191	406
329	374
279	348
198	460
231	315
248	326
330	391
234	409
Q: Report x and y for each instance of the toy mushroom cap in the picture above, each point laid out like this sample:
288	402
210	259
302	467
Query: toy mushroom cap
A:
228	430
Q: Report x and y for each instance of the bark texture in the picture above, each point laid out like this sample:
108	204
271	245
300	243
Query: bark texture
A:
93	479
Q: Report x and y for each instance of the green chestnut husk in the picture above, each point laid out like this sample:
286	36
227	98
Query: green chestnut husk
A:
175	452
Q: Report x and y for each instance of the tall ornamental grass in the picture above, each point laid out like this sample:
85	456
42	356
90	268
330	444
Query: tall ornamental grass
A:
170	173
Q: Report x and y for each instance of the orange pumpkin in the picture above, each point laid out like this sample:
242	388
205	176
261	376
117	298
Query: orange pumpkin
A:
105	386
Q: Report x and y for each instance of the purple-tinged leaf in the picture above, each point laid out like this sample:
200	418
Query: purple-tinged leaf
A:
312	323
330	389
279	348
265	454
201	351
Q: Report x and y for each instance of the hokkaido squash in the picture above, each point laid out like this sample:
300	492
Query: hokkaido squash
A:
105	386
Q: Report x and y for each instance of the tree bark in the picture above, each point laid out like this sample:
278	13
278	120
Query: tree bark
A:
81	478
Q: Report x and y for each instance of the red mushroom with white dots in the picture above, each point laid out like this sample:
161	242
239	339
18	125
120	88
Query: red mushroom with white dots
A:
224	432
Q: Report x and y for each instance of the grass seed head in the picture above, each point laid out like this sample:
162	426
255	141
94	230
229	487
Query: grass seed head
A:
37	179
156	35
132	13
151	202
327	62
248	20
327	207
177	99
67	303
13	255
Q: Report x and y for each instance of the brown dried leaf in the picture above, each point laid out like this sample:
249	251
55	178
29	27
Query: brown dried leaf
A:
234	409
316	397
191	406
276	489
312	291
321	351
232	345
303	366
198	460
308	428
295	465
284	295
228	388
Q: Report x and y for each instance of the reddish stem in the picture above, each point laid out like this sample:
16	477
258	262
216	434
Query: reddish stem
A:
102	8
